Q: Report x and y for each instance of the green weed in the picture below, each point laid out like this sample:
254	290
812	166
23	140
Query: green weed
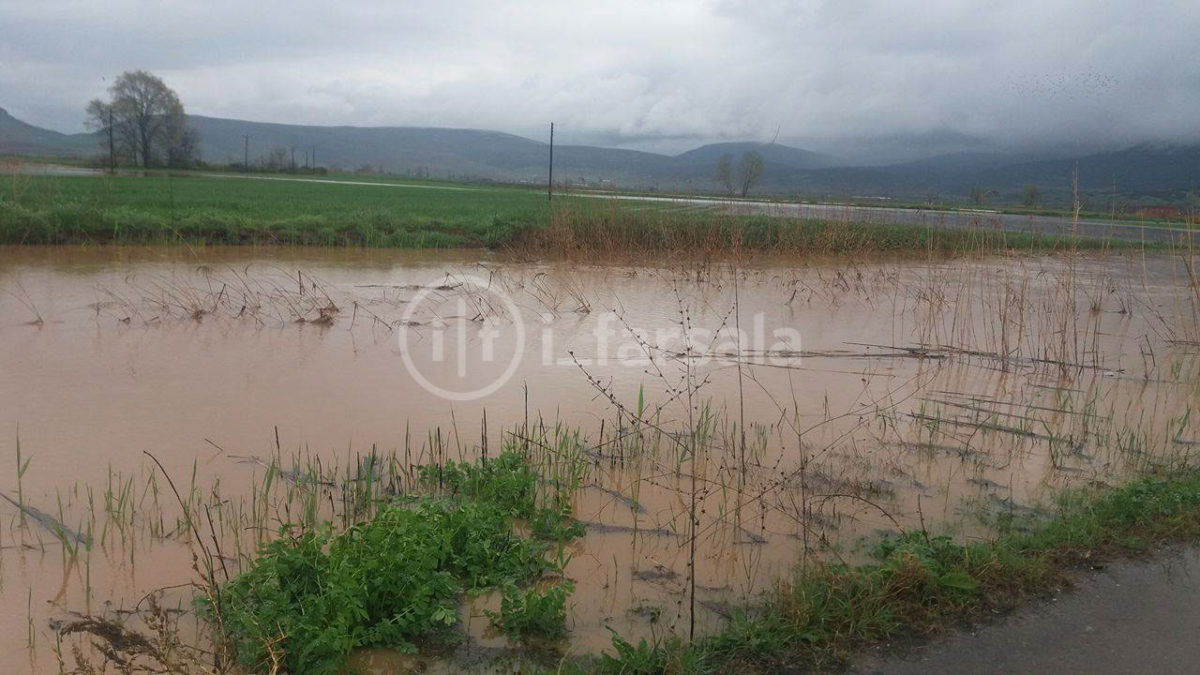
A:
396	581
535	612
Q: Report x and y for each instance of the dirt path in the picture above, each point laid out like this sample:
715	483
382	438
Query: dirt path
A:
1133	617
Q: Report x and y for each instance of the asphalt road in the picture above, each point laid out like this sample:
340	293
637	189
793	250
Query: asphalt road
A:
1134	617
1053	226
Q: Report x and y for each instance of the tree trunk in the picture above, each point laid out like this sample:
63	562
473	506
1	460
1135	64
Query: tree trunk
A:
145	149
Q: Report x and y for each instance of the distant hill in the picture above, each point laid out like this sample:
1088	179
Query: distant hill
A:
1144	173
396	149
958	161
464	153
772	153
19	138
1145	168
898	147
1155	171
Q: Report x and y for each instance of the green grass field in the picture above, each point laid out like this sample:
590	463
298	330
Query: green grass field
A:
207	209
199	209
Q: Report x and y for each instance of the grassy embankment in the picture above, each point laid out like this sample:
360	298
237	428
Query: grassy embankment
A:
918	584
308	600
196	210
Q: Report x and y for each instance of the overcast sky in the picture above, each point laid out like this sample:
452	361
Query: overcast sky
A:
632	72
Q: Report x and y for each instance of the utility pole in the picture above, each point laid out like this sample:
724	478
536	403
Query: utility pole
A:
550	178
314	158
112	150
246	155
293	158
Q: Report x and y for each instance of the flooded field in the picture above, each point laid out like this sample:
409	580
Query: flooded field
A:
710	424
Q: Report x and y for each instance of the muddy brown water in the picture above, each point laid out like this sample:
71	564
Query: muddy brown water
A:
876	396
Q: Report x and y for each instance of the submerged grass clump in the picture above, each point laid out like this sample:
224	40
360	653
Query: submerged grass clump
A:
916	584
396	580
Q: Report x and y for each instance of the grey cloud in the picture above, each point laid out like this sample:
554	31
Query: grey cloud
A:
634	72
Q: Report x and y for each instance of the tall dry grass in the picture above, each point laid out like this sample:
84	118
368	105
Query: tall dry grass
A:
584	230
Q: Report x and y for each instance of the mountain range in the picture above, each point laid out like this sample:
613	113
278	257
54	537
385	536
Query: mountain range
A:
1164	173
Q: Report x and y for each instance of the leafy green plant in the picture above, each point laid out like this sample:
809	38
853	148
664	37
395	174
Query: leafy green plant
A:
535	612
669	655
507	482
555	524
395	581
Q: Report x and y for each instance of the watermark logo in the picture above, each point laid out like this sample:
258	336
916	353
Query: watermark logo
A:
461	341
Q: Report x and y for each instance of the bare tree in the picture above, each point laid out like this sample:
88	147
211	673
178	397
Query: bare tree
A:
276	159
749	170
980	195
724	177
1031	195
185	153
100	118
144	116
